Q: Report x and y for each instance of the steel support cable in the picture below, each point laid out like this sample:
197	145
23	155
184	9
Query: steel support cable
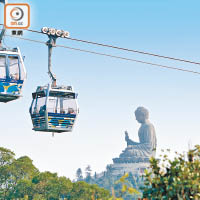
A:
124	49
112	56
136	51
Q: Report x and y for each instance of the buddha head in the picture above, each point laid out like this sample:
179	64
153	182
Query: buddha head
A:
141	114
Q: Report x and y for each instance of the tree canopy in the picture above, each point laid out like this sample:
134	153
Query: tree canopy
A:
166	179
174	179
20	179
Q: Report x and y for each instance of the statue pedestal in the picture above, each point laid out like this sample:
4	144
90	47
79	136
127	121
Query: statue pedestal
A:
134	168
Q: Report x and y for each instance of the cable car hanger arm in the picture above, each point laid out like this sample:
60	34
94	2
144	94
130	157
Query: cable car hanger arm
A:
51	43
53	34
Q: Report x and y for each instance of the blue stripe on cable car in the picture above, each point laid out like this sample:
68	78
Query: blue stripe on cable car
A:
62	115
38	115
11	81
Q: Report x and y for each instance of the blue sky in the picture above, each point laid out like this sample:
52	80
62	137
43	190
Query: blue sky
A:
109	89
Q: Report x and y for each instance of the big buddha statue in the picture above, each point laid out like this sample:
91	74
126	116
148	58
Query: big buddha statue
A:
146	147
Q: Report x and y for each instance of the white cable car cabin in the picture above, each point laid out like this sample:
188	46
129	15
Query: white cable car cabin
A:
54	109
12	74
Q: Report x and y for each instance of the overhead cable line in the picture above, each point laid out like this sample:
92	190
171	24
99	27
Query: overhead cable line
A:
123	49
126	49
112	56
135	51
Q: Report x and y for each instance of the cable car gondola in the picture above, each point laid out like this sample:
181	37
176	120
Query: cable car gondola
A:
12	74
54	108
12	71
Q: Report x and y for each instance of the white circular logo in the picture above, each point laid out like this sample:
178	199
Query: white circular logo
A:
16	14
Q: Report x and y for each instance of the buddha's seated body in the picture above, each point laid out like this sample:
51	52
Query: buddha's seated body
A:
146	148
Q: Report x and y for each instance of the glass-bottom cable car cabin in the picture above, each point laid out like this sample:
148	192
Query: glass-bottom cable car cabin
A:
12	74
54	109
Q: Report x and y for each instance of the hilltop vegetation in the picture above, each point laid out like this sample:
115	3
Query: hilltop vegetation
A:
167	179
113	183
20	179
176	179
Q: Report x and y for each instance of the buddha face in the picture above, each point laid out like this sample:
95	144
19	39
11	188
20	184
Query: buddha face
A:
140	118
141	115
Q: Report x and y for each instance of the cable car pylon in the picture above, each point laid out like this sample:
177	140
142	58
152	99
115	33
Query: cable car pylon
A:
54	107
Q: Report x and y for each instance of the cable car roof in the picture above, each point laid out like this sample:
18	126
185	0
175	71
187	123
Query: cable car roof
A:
56	88
57	91
14	51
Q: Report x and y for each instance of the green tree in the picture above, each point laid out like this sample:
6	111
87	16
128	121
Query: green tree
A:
88	173
51	186
84	191
79	175
174	179
21	180
6	159
124	189
23	189
6	156
18	177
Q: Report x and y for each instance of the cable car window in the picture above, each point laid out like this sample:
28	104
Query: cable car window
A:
62	105
14	67
68	106
2	66
62	94
33	108
53	105
38	95
39	104
22	70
